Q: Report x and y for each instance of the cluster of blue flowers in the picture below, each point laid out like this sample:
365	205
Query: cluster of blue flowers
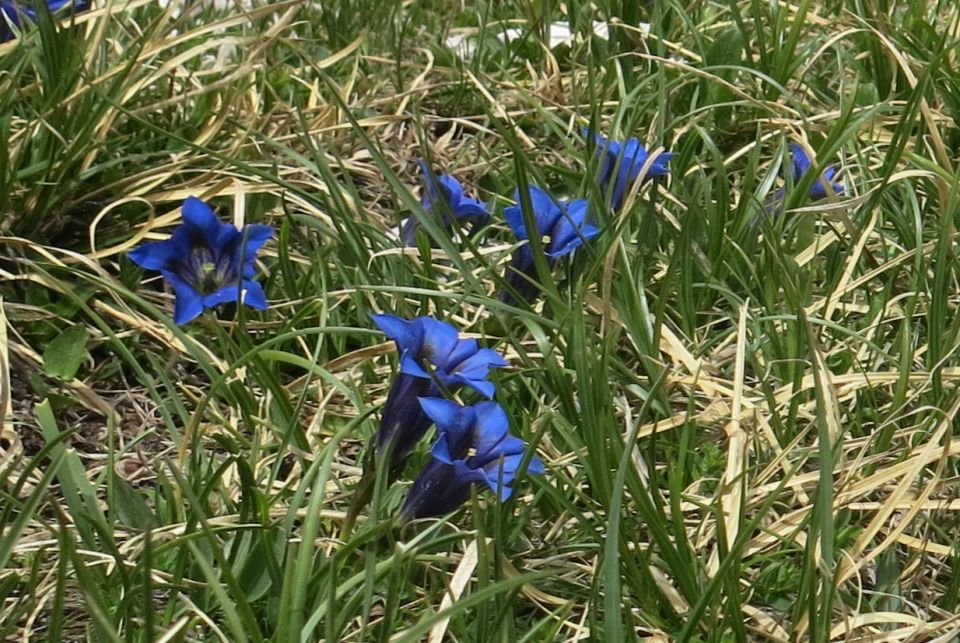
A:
14	15
473	443
562	225
209	263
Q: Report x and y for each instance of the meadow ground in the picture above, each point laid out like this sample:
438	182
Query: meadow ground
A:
744	396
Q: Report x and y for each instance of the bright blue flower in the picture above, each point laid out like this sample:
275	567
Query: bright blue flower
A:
622	162
444	189
208	263
14	11
474	446
432	355
561	225
801	165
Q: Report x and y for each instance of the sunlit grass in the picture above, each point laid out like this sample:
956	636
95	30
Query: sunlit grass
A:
747	419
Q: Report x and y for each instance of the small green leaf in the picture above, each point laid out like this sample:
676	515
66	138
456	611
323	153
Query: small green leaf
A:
62	357
132	509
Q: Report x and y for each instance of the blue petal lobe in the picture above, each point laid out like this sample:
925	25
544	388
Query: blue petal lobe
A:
188	303
439	340
536	465
156	255
492	427
253	295
227	293
801	162
454	192
199	215
545	209
483	387
405	333
514	216
572	240
411	366
255	236
471	209
444	412
463	349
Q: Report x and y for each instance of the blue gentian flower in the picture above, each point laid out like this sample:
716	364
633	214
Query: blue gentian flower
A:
801	165
442	189
208	263
11	13
622	162
561	225
432	355
474	446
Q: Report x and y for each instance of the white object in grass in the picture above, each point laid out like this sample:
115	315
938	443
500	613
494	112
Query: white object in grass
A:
464	43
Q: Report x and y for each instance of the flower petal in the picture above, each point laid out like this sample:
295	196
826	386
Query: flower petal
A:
439	340
444	412
408	231
156	255
226	294
253	295
545	208
471	209
500	474
572	239
431	194
514	216
455	434
659	165
546	212
483	387
199	215
407	334
467	474
478	365
632	158
410	366
492	426
801	162
255	236
536	466
188	303
452	191
463	349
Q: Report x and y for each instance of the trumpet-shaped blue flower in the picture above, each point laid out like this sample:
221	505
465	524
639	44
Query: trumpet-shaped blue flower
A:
444	189
474	446
622	163
208	263
14	12
432	355
801	165
562	227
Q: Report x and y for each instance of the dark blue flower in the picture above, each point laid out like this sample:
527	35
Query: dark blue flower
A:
622	162
432	355
562	227
12	13
208	263
474	446
444	189
801	165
